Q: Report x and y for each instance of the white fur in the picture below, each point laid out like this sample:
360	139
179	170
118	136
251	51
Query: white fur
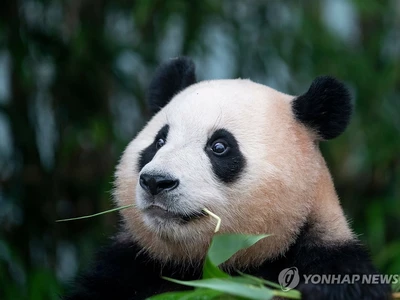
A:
275	194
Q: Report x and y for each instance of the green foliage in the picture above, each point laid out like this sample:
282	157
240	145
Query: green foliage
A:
198	294
97	214
218	284
396	287
73	78
232	287
224	246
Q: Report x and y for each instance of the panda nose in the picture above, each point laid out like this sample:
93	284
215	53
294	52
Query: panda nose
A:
155	184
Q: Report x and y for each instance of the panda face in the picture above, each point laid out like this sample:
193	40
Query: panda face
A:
217	145
242	150
192	162
165	180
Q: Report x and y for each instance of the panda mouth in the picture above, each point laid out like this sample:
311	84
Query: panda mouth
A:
164	213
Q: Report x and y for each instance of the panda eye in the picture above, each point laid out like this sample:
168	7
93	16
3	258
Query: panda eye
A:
219	147
160	142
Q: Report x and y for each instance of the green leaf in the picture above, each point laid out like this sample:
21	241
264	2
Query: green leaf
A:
97	214
257	280
212	271
396	287
231	287
199	294
223	246
245	278
292	294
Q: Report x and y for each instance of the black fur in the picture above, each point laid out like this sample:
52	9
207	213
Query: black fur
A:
122	271
227	167
347	258
170	78
350	258
326	107
147	154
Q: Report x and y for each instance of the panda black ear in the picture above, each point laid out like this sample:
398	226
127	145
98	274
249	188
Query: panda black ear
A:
326	107
170	78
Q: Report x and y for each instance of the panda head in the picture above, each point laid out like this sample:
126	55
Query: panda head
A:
244	151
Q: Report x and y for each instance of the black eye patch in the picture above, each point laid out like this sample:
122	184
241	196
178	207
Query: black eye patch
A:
227	166
147	154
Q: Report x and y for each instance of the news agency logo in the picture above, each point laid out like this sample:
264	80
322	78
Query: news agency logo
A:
289	278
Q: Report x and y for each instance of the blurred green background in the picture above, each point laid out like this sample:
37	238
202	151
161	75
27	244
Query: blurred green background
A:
73	77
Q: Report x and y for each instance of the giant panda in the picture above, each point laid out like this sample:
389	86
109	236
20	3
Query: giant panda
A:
249	154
